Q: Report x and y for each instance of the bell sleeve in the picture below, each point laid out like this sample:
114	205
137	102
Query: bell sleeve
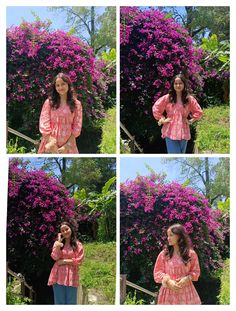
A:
79	255
159	273
159	107
194	271
45	119
195	109
56	253
78	118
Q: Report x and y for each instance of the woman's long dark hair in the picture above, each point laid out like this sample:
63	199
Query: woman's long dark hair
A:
54	97
184	243
185	92
73	239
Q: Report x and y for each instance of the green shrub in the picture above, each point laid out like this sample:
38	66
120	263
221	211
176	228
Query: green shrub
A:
213	132
14	298
224	296
132	300
108	143
12	147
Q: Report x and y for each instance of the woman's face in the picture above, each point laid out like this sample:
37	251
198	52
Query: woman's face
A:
178	85
172	238
61	87
66	231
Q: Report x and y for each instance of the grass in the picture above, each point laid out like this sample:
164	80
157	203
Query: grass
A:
98	271
108	144
224	296
213	131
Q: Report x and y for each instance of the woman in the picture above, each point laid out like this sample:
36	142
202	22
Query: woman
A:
176	268
179	106
68	254
61	118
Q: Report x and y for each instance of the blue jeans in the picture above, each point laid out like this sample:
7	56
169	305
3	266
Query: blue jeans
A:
64	295
176	146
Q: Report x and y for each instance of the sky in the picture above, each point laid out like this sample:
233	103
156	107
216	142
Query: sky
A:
15	15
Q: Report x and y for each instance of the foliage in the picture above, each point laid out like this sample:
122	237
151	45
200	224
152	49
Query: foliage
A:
13	147
124	146
202	21
34	57
213	131
153	49
100	206
14	298
99	272
148	207
108	143
132	300
79	173
37	204
224	206
216	63
224	296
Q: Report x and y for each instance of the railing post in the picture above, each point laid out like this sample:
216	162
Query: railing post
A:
22	287
122	288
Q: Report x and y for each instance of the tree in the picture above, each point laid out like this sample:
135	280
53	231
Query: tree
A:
79	173
206	175
95	28
202	22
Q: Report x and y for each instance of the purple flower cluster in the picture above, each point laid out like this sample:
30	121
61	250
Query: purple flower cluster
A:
149	206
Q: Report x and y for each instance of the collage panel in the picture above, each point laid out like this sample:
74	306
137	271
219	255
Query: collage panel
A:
174	230
61	231
61	79
174	79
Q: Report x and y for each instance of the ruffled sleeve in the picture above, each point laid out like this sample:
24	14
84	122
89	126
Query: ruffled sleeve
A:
159	270
194	266
45	119
56	253
78	118
195	109
159	107
79	255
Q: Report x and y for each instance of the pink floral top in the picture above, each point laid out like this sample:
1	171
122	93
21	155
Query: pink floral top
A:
67	275
178	127
176	269
60	124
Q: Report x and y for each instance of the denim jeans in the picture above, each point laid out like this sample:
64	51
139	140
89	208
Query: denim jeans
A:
176	146
64	295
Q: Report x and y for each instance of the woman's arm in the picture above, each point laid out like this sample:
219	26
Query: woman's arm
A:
77	121
158	109
56	251
195	110
76	260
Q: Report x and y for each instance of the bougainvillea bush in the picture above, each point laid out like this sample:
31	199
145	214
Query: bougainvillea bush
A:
35	56
37	203
153	49
148	206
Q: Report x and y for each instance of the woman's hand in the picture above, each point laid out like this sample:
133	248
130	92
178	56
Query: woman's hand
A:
173	285
61	262
163	121
63	149
183	281
51	146
59	243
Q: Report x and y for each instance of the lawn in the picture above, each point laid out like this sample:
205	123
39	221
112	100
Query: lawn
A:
98	271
